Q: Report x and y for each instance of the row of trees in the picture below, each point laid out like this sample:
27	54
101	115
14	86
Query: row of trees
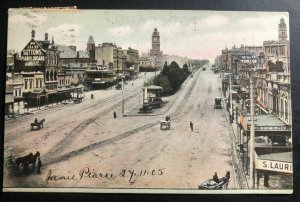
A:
170	78
148	69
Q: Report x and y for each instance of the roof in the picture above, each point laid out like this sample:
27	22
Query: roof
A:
66	52
153	87
83	54
44	44
267	120
283	156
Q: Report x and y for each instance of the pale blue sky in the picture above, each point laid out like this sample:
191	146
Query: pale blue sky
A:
195	34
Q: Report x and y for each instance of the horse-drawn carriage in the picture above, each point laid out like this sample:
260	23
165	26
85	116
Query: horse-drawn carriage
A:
19	165
79	99
165	123
38	124
216	184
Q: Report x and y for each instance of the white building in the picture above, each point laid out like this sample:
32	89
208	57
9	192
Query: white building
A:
279	50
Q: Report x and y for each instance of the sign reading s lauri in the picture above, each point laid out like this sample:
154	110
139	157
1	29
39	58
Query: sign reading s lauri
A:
277	166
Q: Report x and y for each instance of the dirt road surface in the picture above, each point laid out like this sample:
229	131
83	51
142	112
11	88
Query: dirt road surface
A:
82	145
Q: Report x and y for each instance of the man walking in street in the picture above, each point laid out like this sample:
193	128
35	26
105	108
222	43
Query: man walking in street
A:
191	125
39	165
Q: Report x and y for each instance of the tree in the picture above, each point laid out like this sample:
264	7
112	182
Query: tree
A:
186	70
164	82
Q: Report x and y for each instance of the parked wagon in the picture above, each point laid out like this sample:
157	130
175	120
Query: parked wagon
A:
165	124
212	184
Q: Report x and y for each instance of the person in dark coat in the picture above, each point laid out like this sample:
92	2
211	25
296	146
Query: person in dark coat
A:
115	114
36	120
266	180
39	165
216	178
191	125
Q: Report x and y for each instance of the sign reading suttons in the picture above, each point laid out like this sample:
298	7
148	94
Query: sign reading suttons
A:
33	54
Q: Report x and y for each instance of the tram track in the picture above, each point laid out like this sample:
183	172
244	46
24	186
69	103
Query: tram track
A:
58	148
50	156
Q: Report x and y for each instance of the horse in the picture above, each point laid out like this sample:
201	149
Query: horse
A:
38	124
27	160
42	122
226	178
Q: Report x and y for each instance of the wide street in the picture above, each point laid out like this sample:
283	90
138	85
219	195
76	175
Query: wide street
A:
84	141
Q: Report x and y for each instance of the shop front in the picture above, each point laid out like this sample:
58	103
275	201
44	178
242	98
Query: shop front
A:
275	167
270	132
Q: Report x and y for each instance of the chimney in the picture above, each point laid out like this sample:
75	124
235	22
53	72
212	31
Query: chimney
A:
32	34
46	36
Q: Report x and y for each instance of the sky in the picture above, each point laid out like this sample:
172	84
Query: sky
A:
194	34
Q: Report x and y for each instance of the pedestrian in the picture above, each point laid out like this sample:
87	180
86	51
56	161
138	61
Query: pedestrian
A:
115	114
39	165
266	180
216	178
191	125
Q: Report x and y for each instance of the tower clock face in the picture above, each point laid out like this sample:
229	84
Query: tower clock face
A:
155	39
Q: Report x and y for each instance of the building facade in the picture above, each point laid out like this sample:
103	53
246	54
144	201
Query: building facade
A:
279	50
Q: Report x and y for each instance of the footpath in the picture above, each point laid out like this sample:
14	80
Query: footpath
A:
243	179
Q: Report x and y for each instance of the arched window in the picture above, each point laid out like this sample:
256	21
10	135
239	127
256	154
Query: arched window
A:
47	76
51	75
55	74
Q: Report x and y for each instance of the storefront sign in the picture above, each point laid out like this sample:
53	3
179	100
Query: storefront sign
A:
277	166
269	128
32	54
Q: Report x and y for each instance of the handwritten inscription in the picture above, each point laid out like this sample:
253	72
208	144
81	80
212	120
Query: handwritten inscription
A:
87	173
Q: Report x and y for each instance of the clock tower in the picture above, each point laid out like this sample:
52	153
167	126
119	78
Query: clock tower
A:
155	53
155	40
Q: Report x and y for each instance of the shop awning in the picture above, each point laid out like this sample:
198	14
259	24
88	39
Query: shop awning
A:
153	87
265	122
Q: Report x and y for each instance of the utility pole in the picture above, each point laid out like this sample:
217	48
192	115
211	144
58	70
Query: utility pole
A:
251	133
230	97
122	97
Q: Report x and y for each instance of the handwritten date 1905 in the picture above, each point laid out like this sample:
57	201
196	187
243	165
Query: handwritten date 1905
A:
133	174
88	173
